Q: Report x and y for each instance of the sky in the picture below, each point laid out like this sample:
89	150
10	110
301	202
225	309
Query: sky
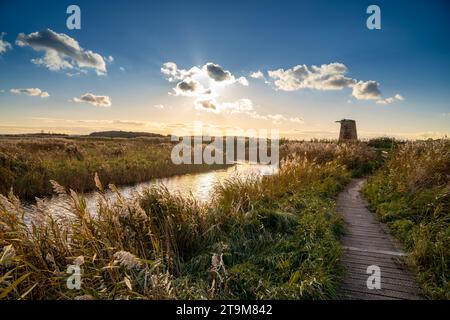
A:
158	66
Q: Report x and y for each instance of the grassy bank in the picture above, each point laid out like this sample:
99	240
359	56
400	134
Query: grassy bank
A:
411	192
275	237
28	164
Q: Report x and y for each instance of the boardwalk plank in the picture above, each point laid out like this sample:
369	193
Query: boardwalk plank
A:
368	242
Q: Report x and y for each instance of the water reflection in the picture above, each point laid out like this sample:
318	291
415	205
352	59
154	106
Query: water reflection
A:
199	185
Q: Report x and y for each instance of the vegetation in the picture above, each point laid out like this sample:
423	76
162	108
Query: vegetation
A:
275	237
125	134
28	164
411	192
384	143
357	157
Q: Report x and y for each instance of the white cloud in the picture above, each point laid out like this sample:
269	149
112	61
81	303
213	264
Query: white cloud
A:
130	122
4	45
243	81
257	75
326	77
122	68
297	120
426	135
95	124
204	84
239	106
158	106
279	118
61	51
200	81
98	101
173	74
109	59
367	90
390	100
74	74
276	118
33	92
190	88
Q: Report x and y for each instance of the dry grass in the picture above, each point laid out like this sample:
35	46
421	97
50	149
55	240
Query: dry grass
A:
271	238
28	164
411	193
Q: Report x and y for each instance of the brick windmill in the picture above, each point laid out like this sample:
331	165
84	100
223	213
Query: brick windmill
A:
348	130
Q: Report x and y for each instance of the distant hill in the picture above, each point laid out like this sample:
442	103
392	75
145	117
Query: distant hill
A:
125	134
35	135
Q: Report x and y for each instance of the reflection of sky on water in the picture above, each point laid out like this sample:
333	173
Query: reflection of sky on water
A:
199	185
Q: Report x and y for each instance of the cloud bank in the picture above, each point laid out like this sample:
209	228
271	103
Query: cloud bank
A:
204	83
326	77
61	52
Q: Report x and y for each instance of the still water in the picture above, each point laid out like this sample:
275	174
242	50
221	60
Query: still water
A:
199	185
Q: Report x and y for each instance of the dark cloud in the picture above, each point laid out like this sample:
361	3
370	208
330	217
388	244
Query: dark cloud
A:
206	104
188	85
337	82
217	73
367	90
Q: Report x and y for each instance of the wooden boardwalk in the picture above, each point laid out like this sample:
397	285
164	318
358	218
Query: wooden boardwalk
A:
367	242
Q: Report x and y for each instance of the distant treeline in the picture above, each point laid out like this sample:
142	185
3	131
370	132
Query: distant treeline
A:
125	134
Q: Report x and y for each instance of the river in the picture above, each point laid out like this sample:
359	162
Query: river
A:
199	185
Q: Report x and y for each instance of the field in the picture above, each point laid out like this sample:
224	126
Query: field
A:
277	237
28	164
272	238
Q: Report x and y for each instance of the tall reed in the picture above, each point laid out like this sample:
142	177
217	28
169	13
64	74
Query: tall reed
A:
275	237
411	192
28	164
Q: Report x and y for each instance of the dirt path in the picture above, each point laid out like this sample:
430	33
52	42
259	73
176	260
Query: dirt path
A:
368	243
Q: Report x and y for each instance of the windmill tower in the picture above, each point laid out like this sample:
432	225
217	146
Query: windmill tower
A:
348	130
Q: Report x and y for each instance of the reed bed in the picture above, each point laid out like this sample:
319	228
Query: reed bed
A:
411	192
276	237
358	157
28	164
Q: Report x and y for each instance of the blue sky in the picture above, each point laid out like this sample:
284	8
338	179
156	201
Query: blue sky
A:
408	57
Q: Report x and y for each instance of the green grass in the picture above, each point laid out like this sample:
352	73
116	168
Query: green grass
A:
271	238
411	193
278	238
28	164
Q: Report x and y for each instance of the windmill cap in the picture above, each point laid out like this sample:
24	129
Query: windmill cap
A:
345	120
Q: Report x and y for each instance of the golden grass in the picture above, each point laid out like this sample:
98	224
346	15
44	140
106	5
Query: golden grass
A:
271	238
28	164
411	192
